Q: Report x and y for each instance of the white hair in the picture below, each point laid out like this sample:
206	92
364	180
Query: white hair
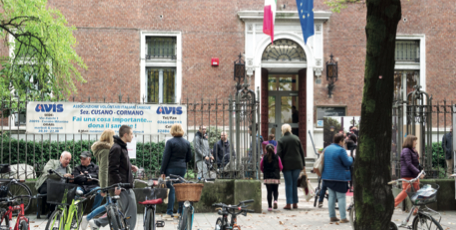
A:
65	152
286	128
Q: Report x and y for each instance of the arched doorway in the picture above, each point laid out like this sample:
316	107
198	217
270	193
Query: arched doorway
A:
283	89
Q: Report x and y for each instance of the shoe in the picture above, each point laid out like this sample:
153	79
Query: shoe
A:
104	215
343	221
93	225
295	206
84	223
167	217
275	204
334	219
287	207
177	215
269	209
320	204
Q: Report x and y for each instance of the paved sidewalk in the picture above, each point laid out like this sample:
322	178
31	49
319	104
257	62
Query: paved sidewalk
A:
306	217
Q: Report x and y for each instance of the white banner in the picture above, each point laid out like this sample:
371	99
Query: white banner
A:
94	118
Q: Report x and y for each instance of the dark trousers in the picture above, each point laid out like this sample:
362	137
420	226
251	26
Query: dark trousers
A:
171	196
322	194
273	190
43	190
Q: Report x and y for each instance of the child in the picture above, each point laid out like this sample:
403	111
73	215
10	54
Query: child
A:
271	140
271	165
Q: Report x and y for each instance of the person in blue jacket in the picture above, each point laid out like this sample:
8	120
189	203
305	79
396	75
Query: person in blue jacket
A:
336	175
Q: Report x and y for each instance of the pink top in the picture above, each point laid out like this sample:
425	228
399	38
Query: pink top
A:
280	164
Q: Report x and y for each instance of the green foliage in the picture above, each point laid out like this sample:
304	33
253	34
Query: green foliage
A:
337	5
148	155
327	133
44	59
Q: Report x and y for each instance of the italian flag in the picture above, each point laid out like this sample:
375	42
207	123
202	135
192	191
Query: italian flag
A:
270	8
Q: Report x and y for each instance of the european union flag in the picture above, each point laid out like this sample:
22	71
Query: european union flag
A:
306	16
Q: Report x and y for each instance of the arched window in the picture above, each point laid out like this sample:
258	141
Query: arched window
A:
284	50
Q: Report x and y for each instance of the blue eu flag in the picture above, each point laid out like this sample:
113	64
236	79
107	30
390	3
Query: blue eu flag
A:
306	16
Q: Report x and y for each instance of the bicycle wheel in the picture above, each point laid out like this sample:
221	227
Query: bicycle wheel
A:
77	217
183	220
219	224
55	220
149	222
23	225
189	219
116	221
352	215
425	222
19	189
393	226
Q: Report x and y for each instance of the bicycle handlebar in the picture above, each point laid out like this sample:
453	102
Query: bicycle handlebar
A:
86	175
105	189
407	181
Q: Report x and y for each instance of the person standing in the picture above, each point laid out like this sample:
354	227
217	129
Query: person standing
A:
409	167
222	151
447	146
336	175
201	145
290	151
177	153
271	165
120	171
100	150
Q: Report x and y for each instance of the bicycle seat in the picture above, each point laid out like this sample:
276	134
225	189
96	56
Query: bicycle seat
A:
151	202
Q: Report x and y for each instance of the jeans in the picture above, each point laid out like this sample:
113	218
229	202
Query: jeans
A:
98	198
322	192
171	196
98	210
291	185
332	204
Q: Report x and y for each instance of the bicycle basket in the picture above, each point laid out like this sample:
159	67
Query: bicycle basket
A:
144	194
188	191
5	168
60	193
425	195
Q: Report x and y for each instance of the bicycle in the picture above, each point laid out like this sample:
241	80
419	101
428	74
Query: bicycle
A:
116	218
150	203
234	210
6	215
68	214
427	194
188	211
13	187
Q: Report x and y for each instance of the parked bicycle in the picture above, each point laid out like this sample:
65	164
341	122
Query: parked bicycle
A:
150	203
424	218
233	210
68	214
13	188
6	215
187	192
116	219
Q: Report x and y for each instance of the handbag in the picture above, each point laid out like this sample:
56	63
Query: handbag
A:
318	165
302	179
162	186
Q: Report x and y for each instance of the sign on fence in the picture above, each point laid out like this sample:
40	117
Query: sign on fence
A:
91	118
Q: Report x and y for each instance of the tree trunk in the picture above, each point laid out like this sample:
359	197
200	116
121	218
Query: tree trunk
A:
374	201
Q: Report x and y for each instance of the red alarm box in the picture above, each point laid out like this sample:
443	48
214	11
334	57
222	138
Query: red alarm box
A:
214	61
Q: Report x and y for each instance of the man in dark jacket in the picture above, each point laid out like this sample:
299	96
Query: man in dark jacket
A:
87	185
222	151
447	146
119	171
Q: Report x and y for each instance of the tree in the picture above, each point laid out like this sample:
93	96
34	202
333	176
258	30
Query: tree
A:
43	59
373	197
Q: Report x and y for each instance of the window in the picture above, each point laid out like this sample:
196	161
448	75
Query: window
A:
328	112
407	51
161	67
404	83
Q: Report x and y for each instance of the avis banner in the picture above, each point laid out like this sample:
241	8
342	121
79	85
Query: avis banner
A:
93	118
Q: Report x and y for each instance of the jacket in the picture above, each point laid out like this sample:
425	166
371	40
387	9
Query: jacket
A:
271	170
119	164
177	153
409	163
101	152
201	145
51	164
336	164
290	151
447	145
222	152
92	169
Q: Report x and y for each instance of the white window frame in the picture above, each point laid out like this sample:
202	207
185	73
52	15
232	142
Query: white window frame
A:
421	67
161	63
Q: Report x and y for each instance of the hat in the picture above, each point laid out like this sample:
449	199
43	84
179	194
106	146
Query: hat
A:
86	154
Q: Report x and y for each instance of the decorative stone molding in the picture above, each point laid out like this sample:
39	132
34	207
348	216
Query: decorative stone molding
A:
318	72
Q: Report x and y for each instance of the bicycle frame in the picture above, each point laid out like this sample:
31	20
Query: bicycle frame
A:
9	214
68	214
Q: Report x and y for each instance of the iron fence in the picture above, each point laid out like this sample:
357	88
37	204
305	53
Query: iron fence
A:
28	153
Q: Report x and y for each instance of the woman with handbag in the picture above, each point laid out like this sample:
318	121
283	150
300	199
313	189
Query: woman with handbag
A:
271	165
410	167
336	175
177	154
